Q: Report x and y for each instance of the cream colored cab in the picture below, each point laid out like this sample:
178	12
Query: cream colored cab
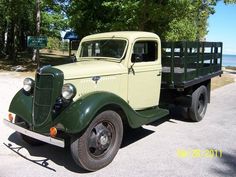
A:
127	64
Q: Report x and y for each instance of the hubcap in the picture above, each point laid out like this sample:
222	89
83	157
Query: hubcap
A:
104	140
100	138
201	103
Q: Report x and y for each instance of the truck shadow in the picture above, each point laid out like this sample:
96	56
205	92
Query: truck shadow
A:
179	113
42	155
176	113
133	135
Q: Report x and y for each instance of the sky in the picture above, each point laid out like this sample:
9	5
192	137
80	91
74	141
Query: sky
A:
222	27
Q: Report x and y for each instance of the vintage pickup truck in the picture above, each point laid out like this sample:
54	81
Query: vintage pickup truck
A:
120	79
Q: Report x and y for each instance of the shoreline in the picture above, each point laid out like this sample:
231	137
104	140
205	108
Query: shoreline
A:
229	67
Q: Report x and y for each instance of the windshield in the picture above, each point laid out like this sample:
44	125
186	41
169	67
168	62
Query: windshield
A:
108	48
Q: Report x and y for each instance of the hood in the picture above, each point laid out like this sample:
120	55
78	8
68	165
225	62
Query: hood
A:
91	68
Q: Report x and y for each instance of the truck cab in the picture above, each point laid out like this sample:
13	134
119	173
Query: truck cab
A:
127	64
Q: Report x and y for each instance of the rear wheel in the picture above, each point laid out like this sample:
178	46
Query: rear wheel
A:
27	139
199	104
99	144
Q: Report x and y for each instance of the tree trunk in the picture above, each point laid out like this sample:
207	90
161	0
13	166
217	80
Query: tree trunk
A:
38	18
144	16
10	48
2	42
22	41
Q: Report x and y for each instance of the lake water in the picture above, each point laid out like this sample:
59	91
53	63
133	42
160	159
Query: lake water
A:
229	60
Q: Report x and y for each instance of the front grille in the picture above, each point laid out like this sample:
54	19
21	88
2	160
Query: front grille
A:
42	98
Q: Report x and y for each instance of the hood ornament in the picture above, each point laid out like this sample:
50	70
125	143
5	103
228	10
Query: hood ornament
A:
96	78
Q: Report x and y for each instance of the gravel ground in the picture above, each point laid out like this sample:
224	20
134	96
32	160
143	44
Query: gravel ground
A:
165	148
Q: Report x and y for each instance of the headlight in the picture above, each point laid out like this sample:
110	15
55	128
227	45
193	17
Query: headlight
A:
28	84
68	91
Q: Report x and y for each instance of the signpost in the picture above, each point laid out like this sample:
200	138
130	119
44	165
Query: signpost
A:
37	42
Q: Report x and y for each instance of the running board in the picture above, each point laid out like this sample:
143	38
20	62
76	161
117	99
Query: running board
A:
147	116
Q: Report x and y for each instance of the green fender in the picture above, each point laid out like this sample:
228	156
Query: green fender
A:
21	105
80	113
77	116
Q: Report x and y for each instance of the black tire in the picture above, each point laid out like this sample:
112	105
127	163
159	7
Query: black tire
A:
199	104
100	142
27	139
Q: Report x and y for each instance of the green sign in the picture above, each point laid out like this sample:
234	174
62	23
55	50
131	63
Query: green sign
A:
37	41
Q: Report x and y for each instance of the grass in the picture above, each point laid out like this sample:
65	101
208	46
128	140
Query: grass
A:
54	58
231	67
24	59
225	79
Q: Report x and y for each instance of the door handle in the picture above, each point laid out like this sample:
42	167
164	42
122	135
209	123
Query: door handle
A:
159	74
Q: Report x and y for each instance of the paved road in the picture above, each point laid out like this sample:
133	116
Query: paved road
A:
171	148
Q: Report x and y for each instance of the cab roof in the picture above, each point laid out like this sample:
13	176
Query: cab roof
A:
130	35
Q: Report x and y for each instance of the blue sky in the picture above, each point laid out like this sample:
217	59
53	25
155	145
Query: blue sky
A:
222	27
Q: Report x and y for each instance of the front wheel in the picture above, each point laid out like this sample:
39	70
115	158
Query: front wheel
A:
199	104
99	144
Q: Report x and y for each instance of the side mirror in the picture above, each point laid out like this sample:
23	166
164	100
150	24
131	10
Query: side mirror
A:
73	58
136	58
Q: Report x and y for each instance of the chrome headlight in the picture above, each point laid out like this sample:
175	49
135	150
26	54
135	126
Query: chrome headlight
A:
68	91
28	84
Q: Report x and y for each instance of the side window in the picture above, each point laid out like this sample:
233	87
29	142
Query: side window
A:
144	51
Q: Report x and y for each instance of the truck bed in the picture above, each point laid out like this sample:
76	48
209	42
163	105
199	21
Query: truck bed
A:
187	63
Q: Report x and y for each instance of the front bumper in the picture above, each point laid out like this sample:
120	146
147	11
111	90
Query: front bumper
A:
44	138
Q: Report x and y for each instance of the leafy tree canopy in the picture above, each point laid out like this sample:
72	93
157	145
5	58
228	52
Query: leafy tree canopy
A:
18	20
171	19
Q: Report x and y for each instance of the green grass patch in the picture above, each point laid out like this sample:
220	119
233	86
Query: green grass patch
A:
24	59
231	67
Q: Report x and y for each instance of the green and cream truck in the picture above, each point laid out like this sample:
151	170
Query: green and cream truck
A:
119	80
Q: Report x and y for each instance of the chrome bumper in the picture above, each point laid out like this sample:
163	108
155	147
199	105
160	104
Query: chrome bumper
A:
47	139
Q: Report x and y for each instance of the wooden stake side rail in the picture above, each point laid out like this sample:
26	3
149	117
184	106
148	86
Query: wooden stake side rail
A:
187	63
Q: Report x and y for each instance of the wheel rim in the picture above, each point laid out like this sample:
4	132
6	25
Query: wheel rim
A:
101	139
201	104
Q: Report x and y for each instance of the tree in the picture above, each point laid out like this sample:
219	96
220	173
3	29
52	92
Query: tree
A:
142	15
171	19
15	22
53	17
229	1
18	20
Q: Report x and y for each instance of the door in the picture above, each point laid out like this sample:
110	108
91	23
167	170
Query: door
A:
144	79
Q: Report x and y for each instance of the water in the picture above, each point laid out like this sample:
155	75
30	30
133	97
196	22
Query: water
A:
229	60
